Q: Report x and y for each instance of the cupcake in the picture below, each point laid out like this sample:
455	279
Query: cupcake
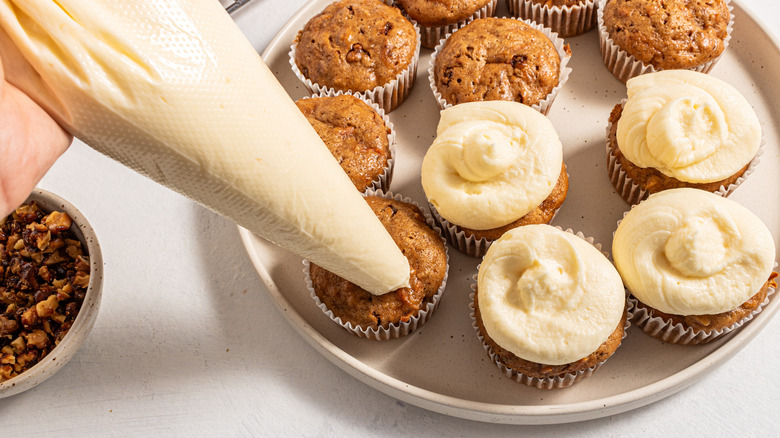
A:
493	166
681	128
396	313
641	36
363	46
698	264
549	306
499	59
358	135
436	18
565	17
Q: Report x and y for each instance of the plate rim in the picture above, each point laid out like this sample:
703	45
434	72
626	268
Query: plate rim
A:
495	412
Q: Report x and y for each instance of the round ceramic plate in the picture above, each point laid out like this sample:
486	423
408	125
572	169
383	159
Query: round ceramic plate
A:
443	367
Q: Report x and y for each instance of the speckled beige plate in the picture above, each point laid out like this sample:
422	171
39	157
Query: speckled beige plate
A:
444	367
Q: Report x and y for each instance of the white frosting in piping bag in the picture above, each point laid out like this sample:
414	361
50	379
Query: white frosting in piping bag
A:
691	252
173	90
491	163
548	296
688	125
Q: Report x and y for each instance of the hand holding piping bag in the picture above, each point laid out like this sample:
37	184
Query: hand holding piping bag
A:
173	90
30	142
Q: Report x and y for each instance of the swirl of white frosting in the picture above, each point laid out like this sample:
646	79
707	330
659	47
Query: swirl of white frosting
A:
691	252
548	296
688	125
491	163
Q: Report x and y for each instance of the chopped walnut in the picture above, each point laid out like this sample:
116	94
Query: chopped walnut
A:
44	274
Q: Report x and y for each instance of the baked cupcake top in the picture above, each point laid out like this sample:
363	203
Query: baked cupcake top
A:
354	133
491	163
548	296
560	3
687	125
691	252
441	12
497	59
355	45
669	33
427	257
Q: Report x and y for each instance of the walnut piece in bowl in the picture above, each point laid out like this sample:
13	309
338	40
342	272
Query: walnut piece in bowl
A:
51	281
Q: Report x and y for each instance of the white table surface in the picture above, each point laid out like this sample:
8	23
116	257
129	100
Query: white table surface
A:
187	341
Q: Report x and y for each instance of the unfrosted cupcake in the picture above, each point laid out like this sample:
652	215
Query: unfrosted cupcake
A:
681	128
549	306
641	36
500	59
698	264
565	17
363	46
436	18
493	166
399	312
358	135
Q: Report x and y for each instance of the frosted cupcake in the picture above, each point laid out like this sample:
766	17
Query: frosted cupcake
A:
698	264
493	166
549	306
681	128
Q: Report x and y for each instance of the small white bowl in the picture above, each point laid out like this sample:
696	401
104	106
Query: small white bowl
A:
70	344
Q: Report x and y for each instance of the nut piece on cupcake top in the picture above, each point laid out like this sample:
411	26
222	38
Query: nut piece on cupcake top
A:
690	252
355	45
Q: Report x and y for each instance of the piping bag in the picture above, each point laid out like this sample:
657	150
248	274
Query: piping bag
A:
173	90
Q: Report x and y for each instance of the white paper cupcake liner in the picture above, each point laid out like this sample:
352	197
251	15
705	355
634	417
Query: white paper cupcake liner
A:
383	181
432	34
633	193
561	381
468	245
672	333
566	21
387	96
545	104
396	330
625	66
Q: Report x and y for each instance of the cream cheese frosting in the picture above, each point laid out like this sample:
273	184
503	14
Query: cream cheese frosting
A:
691	252
548	296
687	125
491	163
174	90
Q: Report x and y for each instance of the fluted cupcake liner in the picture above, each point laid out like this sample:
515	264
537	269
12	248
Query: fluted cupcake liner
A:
625	66
383	181
395	330
676	333
566	21
432	34
633	193
468	245
387	96
544	105
560	381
